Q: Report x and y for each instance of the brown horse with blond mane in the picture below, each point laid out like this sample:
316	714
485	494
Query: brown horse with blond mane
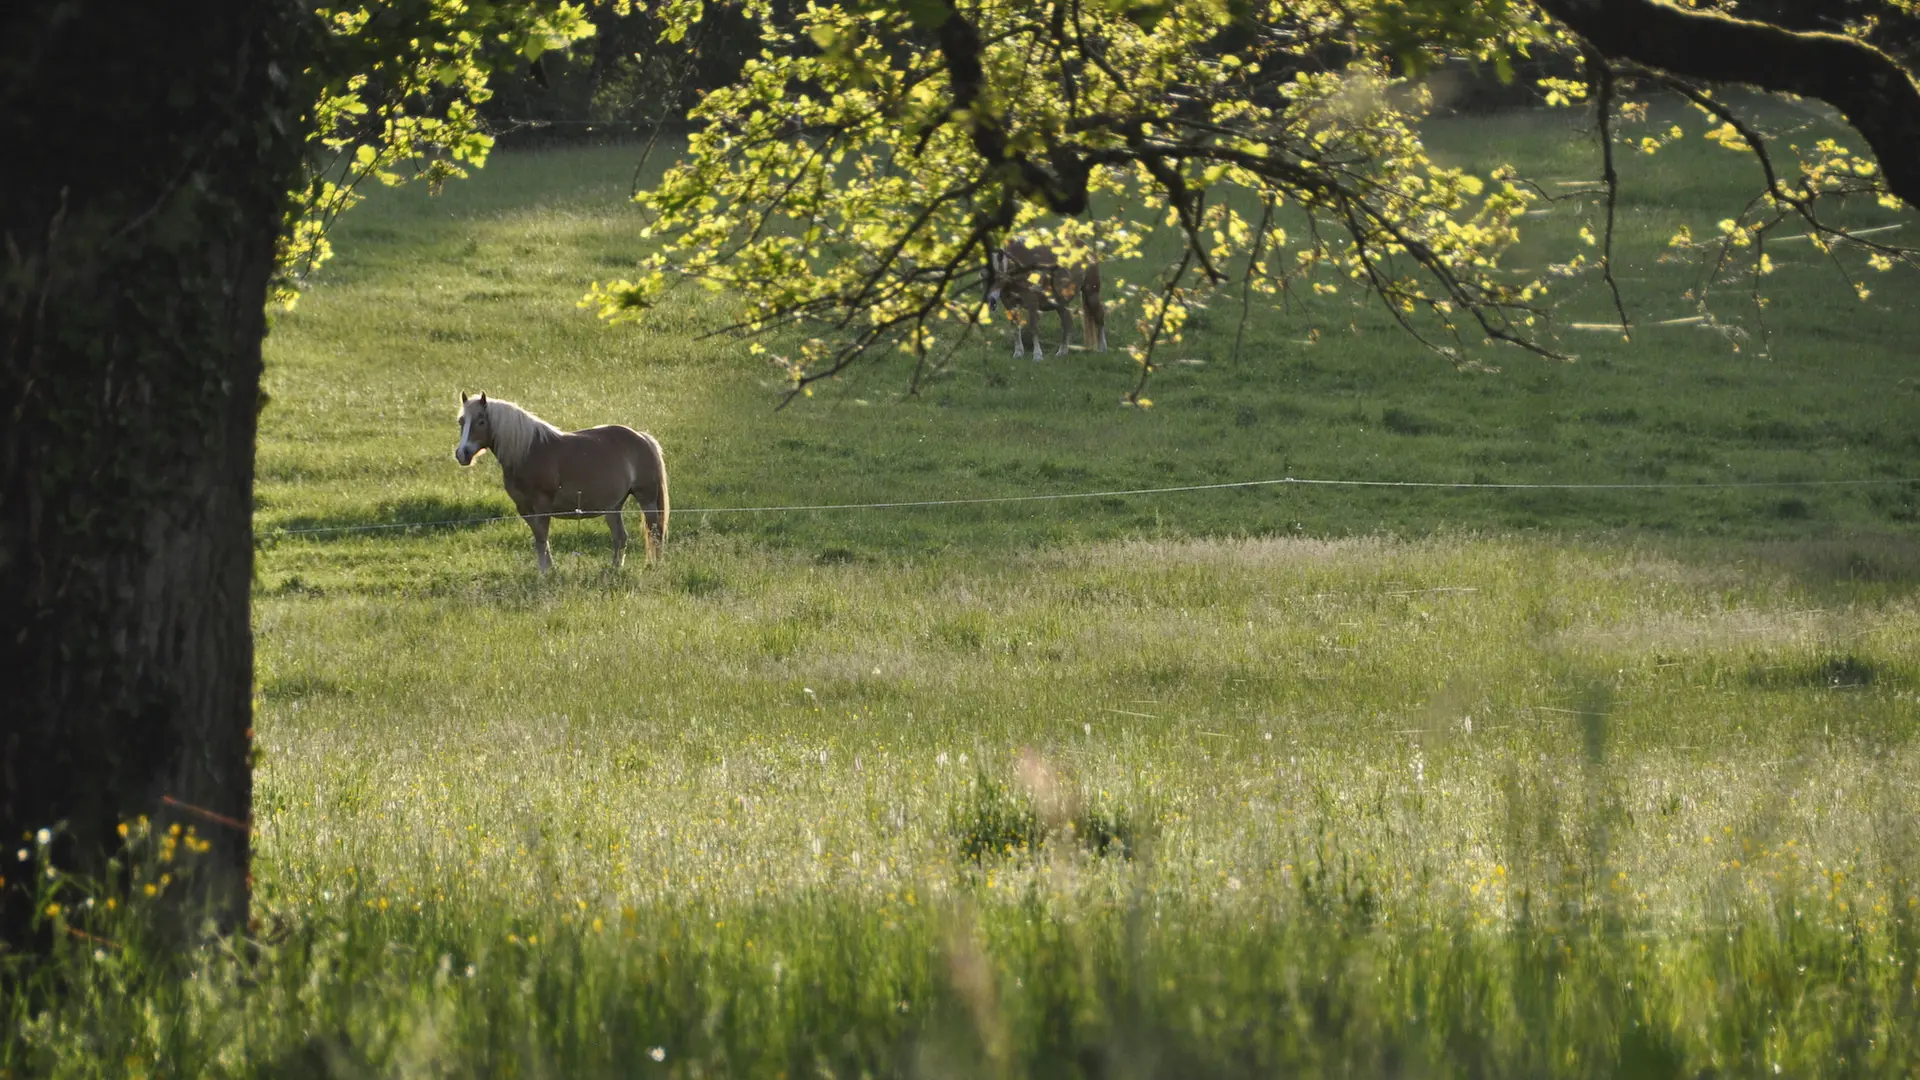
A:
551	473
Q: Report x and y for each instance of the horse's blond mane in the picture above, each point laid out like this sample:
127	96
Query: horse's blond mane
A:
515	431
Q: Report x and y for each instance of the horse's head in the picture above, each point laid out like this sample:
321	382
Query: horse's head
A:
476	434
996	279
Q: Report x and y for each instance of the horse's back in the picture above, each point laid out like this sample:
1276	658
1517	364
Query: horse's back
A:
622	438
603	446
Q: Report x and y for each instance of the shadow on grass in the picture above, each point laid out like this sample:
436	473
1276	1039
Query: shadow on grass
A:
1847	672
301	685
1866	567
391	516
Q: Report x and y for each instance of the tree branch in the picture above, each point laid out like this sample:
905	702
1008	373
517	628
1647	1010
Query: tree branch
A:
1870	88
1603	110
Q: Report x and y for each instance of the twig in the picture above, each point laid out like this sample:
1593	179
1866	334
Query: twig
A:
1603	78
1246	287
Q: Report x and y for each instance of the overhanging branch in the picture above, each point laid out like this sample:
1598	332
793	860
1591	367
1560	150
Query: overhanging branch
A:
1870	88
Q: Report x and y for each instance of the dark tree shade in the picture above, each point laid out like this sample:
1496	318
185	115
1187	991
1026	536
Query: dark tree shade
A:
148	152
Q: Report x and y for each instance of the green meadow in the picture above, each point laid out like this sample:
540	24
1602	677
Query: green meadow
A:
1281	780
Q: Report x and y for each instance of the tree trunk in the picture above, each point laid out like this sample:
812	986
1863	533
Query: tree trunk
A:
149	150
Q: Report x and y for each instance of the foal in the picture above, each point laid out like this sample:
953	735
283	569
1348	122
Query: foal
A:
551	473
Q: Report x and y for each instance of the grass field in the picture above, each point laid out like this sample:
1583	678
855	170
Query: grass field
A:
1272	781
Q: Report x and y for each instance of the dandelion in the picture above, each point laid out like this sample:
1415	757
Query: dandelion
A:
658	1053
44	837
24	856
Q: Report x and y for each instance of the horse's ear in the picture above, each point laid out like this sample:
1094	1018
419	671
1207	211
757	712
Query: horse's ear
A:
463	397
483	399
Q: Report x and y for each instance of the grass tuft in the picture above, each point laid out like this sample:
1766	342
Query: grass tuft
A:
995	819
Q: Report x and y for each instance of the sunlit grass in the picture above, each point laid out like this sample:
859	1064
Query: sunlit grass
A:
791	725
1483	806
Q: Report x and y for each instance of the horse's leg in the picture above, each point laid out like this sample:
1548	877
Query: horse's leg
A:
655	512
1059	296
1018	347
537	520
542	554
619	530
1033	323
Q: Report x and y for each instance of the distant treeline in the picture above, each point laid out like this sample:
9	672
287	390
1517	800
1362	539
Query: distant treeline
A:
622	80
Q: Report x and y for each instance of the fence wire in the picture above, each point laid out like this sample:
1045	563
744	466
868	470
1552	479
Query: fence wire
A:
988	500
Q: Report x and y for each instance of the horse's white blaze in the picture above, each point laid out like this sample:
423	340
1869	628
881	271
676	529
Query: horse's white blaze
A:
466	450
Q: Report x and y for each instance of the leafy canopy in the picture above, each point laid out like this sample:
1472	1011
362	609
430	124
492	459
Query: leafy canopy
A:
862	168
854	179
398	83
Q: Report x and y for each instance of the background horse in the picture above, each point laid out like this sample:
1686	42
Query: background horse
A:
1034	278
552	473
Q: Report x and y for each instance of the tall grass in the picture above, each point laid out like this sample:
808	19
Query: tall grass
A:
1250	783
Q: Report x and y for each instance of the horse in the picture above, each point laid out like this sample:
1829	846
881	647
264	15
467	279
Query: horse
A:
1033	278
551	473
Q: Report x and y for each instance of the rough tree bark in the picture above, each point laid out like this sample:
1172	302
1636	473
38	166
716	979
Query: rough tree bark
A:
148	152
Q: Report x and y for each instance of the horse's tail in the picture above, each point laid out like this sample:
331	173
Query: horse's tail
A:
656	522
1093	309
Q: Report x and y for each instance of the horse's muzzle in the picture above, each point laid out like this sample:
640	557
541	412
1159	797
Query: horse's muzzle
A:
462	455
